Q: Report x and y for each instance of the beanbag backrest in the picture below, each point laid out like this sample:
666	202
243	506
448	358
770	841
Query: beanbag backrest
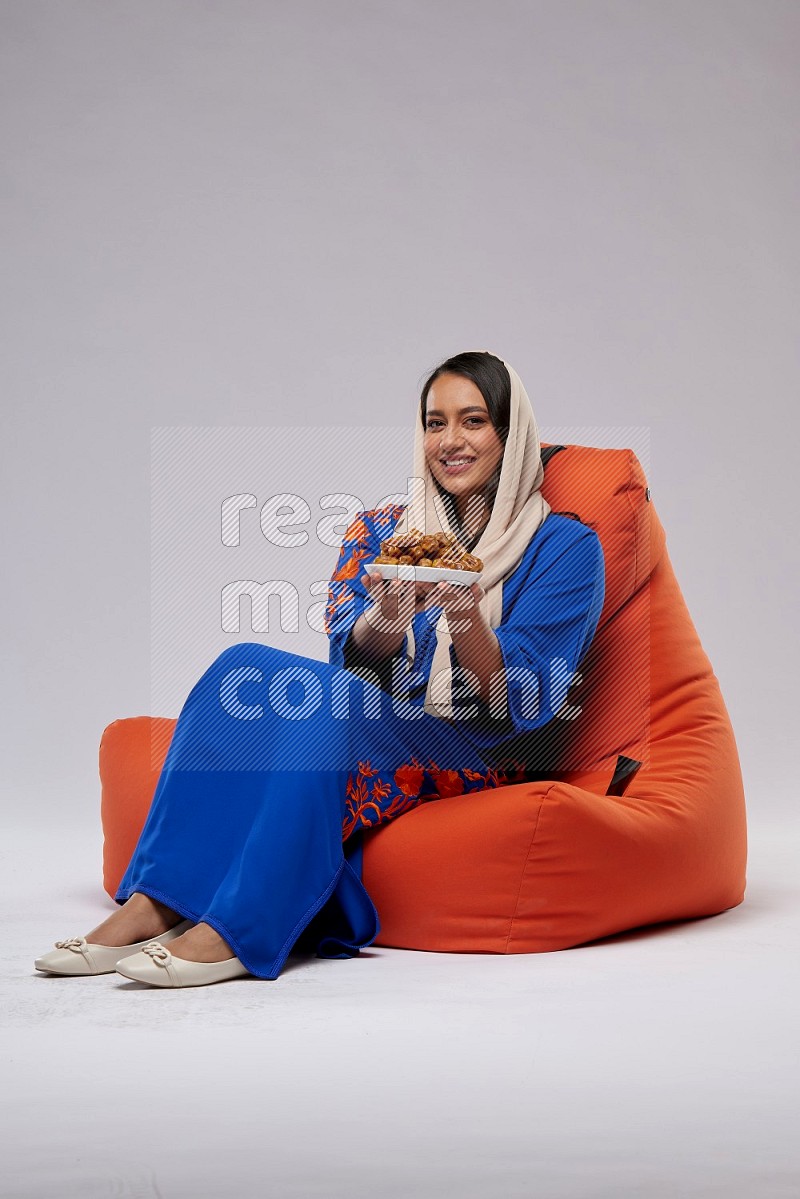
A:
609	710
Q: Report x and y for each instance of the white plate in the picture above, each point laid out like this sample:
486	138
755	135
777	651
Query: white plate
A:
421	574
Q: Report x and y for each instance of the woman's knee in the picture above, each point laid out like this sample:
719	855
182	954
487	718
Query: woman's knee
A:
245	652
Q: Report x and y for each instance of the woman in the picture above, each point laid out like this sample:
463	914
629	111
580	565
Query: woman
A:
252	845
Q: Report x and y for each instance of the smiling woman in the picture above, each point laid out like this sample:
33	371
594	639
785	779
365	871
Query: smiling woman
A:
253	833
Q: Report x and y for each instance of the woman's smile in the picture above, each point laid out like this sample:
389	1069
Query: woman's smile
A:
457	466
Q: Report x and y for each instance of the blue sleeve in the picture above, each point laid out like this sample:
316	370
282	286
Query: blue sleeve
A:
545	635
347	596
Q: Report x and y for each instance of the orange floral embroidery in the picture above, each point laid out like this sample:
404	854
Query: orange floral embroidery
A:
351	566
367	792
360	544
514	772
449	782
358	531
409	779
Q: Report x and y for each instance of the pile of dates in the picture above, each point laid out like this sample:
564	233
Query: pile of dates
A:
428	549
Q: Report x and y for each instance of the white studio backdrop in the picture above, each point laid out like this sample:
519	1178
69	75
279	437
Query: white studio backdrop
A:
276	217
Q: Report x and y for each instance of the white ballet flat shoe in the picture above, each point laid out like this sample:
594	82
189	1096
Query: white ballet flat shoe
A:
76	955
156	966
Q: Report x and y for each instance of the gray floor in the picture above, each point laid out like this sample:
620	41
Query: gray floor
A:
655	1064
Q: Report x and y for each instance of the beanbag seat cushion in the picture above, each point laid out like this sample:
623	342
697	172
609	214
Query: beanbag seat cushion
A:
639	816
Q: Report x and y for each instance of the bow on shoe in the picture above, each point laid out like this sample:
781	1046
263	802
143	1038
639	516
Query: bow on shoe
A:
160	955
76	944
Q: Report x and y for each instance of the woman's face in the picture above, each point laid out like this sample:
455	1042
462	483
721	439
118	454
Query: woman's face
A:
462	446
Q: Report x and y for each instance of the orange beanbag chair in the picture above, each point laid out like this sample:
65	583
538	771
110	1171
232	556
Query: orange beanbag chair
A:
641	818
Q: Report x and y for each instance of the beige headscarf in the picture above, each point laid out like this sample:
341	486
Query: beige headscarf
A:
519	508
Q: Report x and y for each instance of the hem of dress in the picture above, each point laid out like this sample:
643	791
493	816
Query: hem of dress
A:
354	946
278	963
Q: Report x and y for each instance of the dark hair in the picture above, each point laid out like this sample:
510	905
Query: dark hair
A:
490	376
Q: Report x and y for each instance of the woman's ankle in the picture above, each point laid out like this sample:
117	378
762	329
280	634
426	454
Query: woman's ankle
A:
147	904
